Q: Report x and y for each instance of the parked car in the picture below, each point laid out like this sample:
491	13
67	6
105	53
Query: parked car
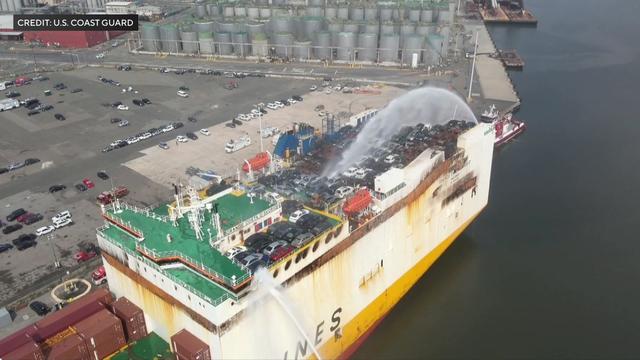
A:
235	251
11	228
61	216
181	138
272	247
281	252
182	93
102	175
59	117
192	136
31	161
82	256
123	107
33	112
146	101
5	247
302	239
63	223
32	218
77	90
230	125
137	102
205	132
3	170
254	260
297	215
163	145
88	183
45	230
123	123
56	188
40	308
15	214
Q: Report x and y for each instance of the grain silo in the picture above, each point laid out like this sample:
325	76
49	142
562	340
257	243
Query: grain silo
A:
282	24
260	45
386	13
241	44
189	41
346	46
314	11
414	13
302	50
150	37
316	2
213	10
413	45
322	45
331	12
253	12
201	10
170	37
389	44
356	13
387	27
312	25
203	26
351	26
282	41
226	26
367	47
406	28
240	10
265	12
371	27
343	12
426	15
223	43
205	42
255	28
228	11
370	13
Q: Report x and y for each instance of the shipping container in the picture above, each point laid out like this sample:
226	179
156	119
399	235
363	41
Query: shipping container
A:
103	334
135	327
28	351
17	339
76	311
71	348
187	346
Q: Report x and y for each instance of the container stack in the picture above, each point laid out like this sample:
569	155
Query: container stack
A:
188	347
72	347
102	333
135	327
27	351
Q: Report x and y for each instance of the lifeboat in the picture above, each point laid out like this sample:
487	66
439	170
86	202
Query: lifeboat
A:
257	162
358	202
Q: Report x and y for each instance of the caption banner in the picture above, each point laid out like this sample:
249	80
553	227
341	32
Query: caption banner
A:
85	22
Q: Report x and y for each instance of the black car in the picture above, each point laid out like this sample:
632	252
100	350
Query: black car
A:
59	117
33	218
262	110
192	119
15	213
47	108
3	170
146	101
229	125
26	244
192	136
23	238
31	161
33	112
285	102
77	90
60	86
297	98
56	188
138	102
237	122
5	247
40	308
81	187
183	88
12	94
103	175
115	120
116	104
11	228
177	125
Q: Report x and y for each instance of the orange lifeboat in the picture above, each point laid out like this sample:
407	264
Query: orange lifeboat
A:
358	202
257	162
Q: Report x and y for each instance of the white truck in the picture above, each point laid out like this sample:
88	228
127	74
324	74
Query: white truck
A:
8	104
235	145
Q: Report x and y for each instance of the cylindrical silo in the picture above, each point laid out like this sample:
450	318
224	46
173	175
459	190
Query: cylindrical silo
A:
253	12
241	44
282	42
346	46
314	11
335	26
302	50
223	43
255	28
228	11
312	25
406	29
435	44
170	37
387	28
386	13
371	27
356	13
426	15
265	12
343	12
322	45
213	10
282	24
201	11
205	42
389	44
351	26
240	11
367	47
260	45
316	2
203	26
424	29
397	13
446	34
226	26
261	2
413	44
150	37
189	42
335	36
370	13
331	12
414	14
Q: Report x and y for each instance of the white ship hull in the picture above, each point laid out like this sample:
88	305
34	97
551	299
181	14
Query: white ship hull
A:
339	292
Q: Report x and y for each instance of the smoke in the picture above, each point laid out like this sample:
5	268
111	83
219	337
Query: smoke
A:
427	105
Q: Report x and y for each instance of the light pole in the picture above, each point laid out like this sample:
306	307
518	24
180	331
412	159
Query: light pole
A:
56	263
473	67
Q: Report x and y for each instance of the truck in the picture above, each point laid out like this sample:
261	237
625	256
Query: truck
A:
99	276
107	197
235	145
22	80
8	104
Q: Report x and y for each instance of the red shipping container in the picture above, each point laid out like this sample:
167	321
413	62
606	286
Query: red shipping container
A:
17	339
187	346
28	351
71	348
132	317
72	313
102	333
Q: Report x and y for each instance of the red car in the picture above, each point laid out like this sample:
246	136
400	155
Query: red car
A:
82	256
280	253
22	218
88	183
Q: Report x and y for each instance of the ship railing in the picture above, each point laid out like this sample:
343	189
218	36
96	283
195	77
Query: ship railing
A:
148	212
235	228
198	265
126	225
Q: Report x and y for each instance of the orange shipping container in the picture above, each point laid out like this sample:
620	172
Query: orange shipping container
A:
71	348
102	333
132	317
187	346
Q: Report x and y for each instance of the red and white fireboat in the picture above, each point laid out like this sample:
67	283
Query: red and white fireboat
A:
506	127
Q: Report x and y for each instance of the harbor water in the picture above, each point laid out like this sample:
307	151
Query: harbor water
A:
551	268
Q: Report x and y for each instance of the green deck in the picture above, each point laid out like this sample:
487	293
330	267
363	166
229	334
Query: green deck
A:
199	283
151	347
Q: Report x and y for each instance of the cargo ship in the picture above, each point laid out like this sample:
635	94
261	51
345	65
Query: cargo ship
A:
287	264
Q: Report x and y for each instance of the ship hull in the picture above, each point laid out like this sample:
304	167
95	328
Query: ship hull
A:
338	293
518	129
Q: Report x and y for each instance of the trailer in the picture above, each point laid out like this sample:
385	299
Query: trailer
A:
8	104
235	145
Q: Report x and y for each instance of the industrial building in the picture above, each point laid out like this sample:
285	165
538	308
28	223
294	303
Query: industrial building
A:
412	34
70	39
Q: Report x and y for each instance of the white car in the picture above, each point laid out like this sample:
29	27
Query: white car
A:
182	139
292	100
255	111
123	107
273	246
167	128
205	132
45	230
235	251
278	104
61	216
132	140
344	191
182	94
244	117
272	106
297	215
390	159
145	136
100	56
62	223
361	173
313	88
328	91
274	196
350	172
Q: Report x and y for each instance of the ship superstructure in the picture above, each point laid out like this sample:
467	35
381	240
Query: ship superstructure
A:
350	258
